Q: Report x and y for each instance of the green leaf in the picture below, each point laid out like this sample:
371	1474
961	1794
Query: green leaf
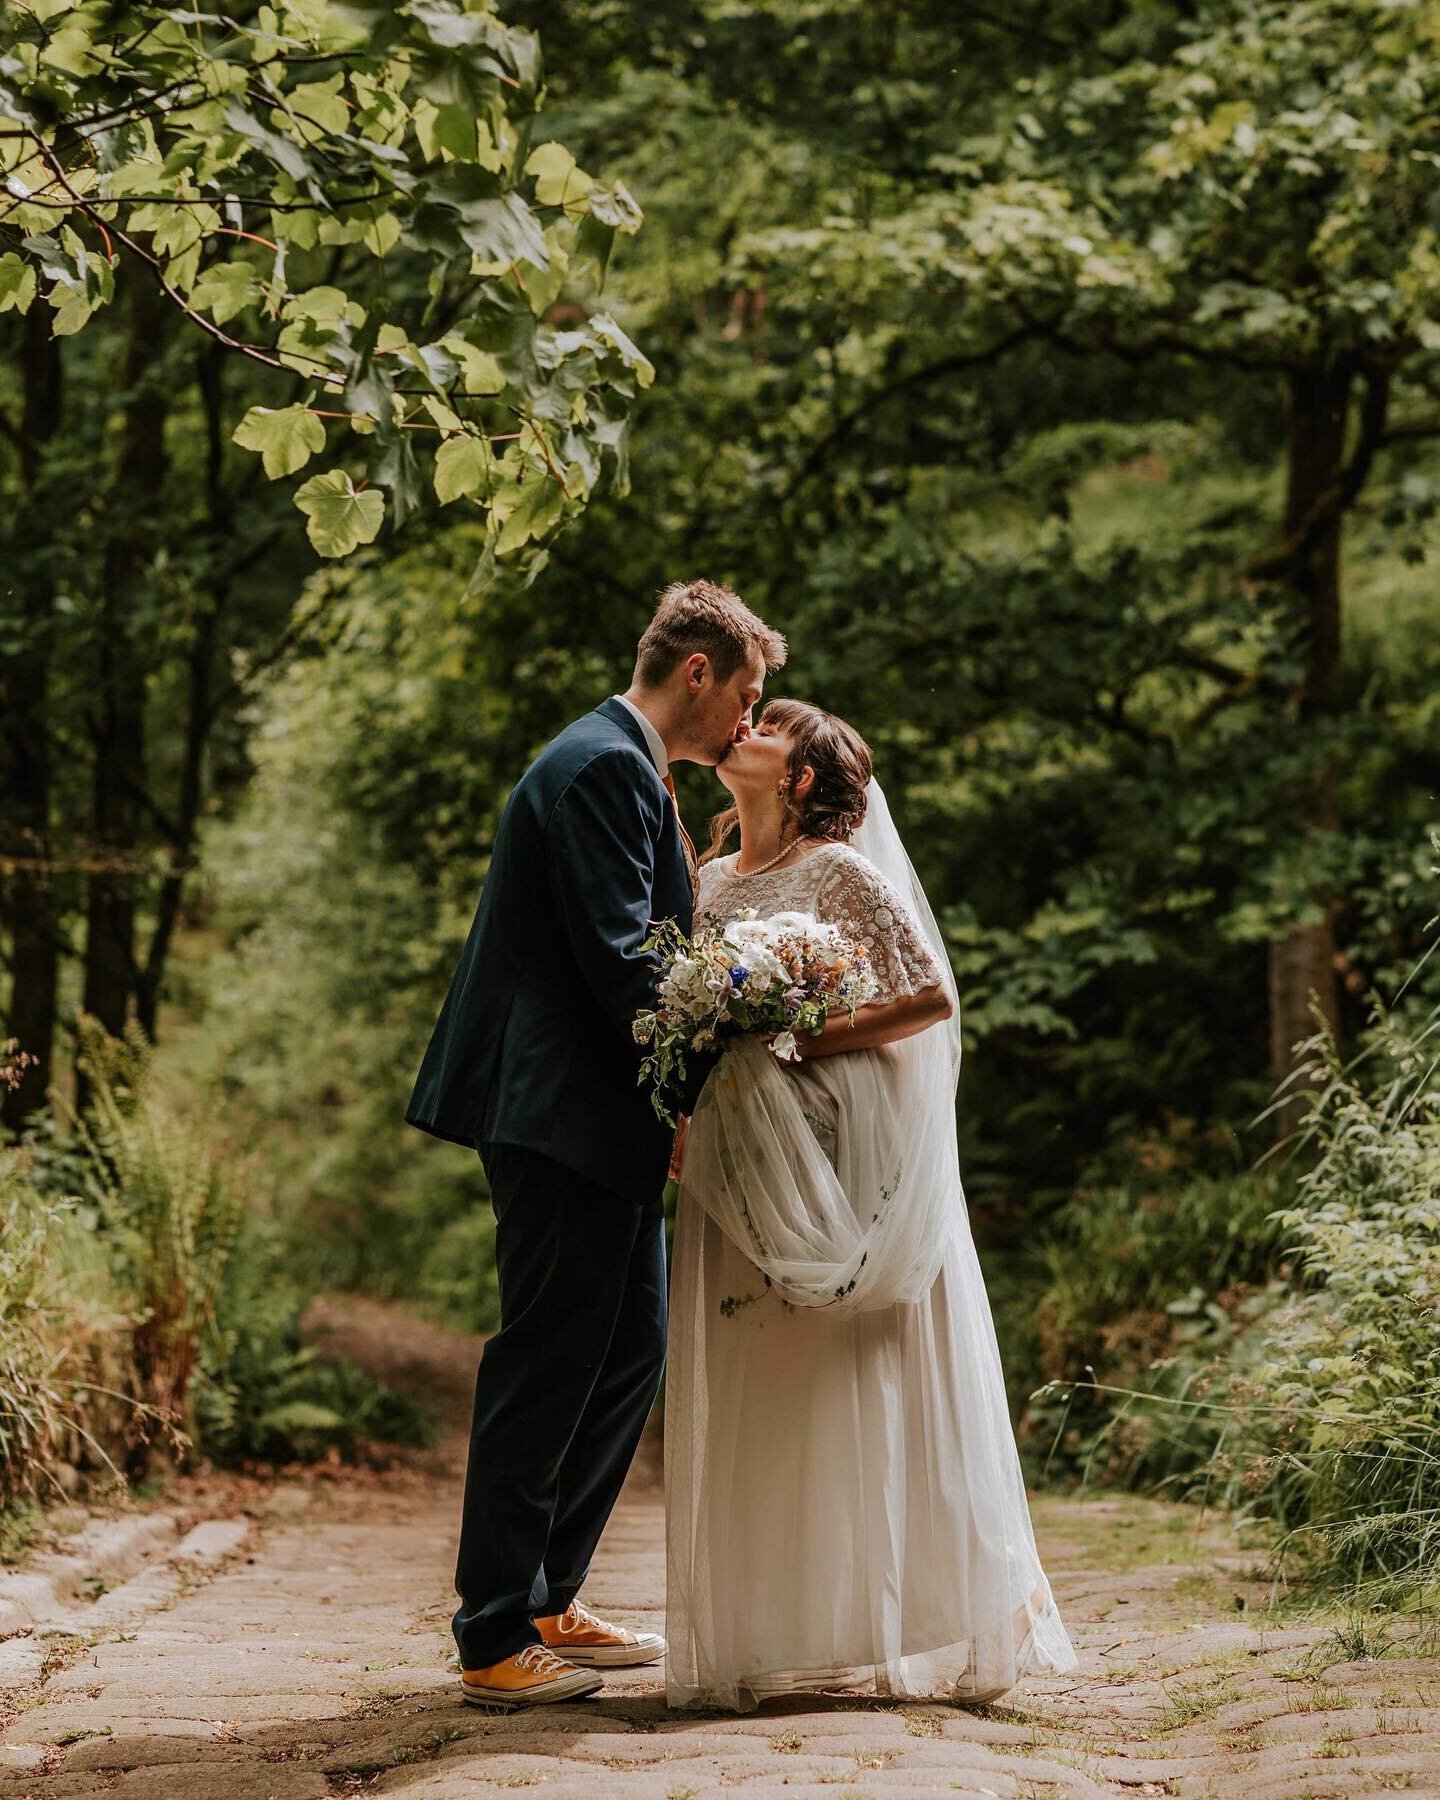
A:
226	288
394	467
339	517
480	373
605	328
447	421
286	437
557	180
462	466
484	571
17	283
318	107
300	1415
382	234
325	305
369	388
69	49
530	511
594	242
462	207
458	132
284	152
616	206
72	315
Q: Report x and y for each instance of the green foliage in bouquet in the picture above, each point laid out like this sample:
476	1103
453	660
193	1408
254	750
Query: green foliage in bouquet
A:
767	978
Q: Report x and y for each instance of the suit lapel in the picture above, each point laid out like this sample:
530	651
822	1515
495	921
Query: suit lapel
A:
617	714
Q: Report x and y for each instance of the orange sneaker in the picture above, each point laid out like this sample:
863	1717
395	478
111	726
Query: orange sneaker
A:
533	1676
582	1638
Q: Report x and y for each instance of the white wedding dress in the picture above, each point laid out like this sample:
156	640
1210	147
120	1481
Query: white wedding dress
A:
844	1499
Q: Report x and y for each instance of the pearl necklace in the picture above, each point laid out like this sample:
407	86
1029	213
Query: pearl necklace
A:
745	876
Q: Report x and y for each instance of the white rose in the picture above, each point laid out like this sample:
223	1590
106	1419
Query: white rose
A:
785	1047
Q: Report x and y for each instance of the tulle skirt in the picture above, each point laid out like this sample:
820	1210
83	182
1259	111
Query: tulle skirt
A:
844	1499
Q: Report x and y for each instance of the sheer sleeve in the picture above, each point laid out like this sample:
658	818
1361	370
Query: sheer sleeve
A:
707	890
854	895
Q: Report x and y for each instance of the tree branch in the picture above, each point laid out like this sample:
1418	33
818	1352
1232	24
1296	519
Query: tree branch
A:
1410	431
1287	558
947	365
1139	349
153	264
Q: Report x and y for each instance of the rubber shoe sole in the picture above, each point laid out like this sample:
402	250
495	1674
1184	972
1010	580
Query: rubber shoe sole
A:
615	1656
573	1686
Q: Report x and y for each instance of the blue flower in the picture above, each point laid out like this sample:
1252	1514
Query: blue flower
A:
739	973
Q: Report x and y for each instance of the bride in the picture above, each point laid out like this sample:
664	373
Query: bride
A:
844	1500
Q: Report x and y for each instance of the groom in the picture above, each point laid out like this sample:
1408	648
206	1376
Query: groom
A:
533	1062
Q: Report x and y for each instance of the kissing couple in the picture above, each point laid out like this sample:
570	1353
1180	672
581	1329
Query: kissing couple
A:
844	1502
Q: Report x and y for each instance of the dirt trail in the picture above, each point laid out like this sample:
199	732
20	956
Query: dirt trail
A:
316	1661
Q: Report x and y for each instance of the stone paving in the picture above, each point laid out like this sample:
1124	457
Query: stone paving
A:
310	1657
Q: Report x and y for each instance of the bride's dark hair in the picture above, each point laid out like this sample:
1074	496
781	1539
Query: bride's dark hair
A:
834	805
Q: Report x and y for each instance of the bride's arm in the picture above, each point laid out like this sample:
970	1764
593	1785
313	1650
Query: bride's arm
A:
885	1023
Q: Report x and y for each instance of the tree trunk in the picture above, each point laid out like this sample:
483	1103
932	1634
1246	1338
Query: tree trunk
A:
200	708
118	778
31	906
1302	963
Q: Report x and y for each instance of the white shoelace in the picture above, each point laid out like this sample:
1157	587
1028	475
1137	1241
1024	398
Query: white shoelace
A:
579	1616
540	1659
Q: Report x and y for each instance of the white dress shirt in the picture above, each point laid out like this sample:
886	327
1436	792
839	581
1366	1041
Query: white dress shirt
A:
653	740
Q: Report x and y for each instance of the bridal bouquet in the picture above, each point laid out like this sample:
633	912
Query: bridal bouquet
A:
770	978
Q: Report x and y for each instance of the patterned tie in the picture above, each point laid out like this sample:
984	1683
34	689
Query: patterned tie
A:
692	862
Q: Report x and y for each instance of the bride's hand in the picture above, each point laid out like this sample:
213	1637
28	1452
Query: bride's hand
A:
677	1154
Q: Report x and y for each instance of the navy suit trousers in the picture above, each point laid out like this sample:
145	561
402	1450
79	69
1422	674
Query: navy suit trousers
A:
561	1397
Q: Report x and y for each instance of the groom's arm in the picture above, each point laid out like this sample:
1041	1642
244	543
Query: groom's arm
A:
600	856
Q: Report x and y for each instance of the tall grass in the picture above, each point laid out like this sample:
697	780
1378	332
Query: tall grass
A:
1148	1280
142	1298
1318	1410
170	1212
1339	1422
67	1386
32	1400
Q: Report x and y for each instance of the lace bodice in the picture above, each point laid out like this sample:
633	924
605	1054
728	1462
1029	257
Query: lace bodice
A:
836	884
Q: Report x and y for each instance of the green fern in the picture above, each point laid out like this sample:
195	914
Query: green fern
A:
169	1208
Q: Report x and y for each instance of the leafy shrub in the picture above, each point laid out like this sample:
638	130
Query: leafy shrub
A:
169	1212
1143	1282
1310	1402
66	1375
137	1291
32	1401
1138	1265
264	1394
1335	1433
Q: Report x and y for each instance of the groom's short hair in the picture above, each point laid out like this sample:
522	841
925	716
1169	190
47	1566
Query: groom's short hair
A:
704	616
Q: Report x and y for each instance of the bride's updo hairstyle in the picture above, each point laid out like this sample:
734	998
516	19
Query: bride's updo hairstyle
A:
834	806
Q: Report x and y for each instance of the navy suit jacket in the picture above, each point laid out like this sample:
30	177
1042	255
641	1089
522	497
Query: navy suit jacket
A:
533	1044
